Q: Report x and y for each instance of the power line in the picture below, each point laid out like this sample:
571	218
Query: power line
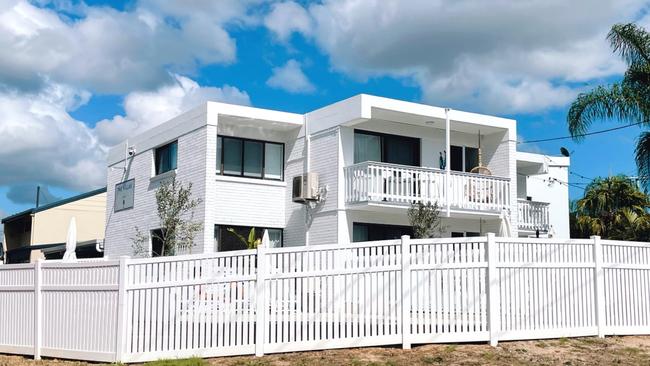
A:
581	135
581	176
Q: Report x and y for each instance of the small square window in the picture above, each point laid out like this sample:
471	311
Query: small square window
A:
165	158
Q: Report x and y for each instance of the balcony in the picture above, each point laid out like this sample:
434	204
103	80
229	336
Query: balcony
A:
533	215
392	184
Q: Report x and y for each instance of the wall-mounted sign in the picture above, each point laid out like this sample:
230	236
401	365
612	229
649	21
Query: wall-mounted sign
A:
124	193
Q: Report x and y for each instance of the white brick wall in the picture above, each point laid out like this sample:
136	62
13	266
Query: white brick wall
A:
249	202
120	226
323	227
295	219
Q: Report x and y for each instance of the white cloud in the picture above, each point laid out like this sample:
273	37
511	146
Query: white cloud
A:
106	50
41	142
290	78
148	109
501	56
287	17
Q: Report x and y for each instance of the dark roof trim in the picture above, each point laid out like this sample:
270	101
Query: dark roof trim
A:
53	204
56	246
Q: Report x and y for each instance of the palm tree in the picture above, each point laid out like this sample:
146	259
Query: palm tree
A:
611	207
628	100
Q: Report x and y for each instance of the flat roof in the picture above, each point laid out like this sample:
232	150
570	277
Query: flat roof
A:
53	204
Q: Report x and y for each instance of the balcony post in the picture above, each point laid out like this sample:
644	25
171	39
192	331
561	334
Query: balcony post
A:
447	162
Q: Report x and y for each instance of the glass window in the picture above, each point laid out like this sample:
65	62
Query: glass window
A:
157	243
232	156
275	237
250	158
370	146
359	233
165	157
456	156
366	147
372	232
274	158
253	156
471	158
230	237
219	153
401	150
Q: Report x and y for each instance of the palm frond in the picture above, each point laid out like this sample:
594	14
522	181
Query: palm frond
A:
631	42
614	102
642	157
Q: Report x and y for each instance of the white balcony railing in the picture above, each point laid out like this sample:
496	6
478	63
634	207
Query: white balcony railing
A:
392	183
533	215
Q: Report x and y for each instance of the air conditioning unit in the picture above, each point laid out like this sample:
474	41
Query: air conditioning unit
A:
305	187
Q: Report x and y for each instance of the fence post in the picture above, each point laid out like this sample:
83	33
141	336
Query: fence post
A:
599	286
493	289
406	292
38	314
121	336
260	300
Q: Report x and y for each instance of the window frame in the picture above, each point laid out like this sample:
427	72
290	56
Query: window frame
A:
382	149
243	140
463	157
155	158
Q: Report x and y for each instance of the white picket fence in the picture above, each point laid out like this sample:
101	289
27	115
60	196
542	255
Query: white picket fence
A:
334	296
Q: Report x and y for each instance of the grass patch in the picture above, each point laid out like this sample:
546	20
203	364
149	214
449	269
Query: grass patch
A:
591	340
194	361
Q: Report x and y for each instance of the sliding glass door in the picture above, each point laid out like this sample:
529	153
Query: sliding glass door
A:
380	147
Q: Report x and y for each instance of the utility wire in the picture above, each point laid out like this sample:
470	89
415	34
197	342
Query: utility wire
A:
581	135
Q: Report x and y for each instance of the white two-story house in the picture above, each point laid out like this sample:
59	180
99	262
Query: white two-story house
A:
371	157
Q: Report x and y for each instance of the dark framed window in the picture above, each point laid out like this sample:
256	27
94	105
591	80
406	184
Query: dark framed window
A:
463	158
250	158
371	232
166	157
156	243
461	234
226	240
381	147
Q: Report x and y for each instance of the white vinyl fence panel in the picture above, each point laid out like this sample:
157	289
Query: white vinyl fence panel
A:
321	297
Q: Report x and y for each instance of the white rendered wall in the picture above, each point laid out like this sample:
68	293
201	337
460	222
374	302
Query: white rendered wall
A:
556	194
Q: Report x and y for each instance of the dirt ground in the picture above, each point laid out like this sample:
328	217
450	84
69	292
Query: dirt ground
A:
576	351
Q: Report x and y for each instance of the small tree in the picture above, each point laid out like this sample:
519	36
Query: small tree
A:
425	219
176	213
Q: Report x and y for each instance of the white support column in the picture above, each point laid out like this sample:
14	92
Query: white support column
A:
38	313
260	300
121	337
406	292
599	286
447	161
493	289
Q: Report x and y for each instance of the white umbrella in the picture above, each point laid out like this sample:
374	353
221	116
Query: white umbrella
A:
266	242
504	228
71	242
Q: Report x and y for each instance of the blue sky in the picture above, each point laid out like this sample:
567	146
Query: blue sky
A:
77	77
